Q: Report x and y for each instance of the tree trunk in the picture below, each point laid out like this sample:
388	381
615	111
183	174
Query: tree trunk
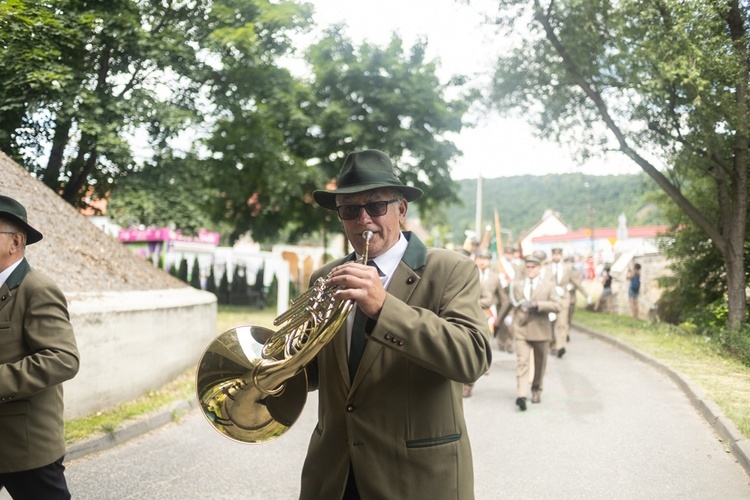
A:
51	175
80	169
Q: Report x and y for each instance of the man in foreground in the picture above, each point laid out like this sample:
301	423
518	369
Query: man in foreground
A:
391	421
37	354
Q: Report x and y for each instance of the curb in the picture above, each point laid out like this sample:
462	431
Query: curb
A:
130	430
737	443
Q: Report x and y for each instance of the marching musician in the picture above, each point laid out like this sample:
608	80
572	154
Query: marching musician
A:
391	421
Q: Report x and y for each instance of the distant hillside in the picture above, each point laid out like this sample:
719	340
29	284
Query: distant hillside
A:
521	200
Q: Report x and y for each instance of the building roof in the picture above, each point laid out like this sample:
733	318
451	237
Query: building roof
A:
602	232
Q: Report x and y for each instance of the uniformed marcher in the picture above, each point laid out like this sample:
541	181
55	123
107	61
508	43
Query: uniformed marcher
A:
565	286
533	300
493	300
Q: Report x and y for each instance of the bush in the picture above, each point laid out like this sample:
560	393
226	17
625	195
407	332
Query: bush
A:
224	289
195	275
736	343
211	282
183	272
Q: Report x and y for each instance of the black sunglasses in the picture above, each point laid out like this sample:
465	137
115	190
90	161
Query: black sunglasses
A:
373	209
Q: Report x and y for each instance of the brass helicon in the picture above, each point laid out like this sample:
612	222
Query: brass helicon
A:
251	383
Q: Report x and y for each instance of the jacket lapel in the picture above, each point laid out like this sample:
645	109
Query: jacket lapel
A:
18	274
405	280
13	281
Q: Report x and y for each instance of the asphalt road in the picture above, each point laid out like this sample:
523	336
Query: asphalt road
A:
609	426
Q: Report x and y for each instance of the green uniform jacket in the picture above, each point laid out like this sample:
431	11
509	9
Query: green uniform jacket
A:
401	421
536	325
37	354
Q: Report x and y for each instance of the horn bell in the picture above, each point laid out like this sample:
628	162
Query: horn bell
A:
235	406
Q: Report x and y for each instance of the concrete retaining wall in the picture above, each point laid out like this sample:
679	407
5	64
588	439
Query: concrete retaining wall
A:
131	342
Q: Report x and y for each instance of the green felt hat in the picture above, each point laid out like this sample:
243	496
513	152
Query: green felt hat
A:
12	210
363	171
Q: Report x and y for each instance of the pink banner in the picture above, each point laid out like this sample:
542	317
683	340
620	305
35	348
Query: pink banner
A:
166	234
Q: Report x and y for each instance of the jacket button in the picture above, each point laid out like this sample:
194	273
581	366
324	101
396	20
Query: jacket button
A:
388	336
400	342
410	280
350	408
3	297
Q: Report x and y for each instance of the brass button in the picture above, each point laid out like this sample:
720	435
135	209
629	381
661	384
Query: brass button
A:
410	280
349	407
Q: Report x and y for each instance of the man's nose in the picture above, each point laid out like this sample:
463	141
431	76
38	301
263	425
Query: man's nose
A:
363	216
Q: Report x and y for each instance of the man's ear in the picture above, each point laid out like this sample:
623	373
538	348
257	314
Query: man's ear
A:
402	207
17	242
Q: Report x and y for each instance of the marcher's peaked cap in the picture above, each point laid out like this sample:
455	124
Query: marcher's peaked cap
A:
540	254
363	171
532	258
13	211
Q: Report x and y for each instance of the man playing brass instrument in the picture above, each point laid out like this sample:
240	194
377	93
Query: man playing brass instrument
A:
392	425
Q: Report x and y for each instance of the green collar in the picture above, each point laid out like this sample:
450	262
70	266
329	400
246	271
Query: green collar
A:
16	277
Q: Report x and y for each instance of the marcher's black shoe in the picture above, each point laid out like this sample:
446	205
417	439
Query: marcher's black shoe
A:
561	353
521	403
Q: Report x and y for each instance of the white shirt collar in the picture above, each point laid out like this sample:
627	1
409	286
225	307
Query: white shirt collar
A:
388	262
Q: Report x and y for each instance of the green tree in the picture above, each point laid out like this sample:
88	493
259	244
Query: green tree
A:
82	77
171	192
285	138
664	82
388	98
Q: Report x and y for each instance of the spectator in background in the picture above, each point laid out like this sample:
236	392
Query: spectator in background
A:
634	289
606	295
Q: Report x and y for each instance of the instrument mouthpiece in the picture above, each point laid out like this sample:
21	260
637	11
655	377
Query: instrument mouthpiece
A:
367	235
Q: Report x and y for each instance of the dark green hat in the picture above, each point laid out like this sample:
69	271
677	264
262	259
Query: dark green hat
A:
13	211
363	171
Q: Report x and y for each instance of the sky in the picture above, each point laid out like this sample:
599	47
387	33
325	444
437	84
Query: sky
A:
462	45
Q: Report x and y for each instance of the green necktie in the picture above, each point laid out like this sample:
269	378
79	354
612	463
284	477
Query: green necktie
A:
358	340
